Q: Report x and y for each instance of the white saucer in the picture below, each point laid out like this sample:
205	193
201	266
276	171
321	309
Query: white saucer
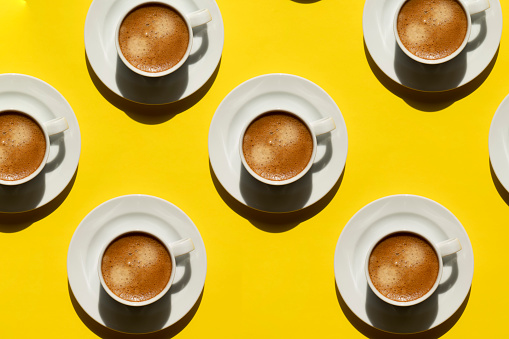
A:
269	92
499	143
122	214
100	24
26	93
399	212
377	23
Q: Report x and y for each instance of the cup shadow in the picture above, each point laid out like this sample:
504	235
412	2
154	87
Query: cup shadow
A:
291	197
375	333
410	322
412	74
124	321
26	197
412	319
442	76
429	78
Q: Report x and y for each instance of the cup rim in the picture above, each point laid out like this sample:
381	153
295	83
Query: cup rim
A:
165	72
46	152
144	302
278	182
432	61
404	303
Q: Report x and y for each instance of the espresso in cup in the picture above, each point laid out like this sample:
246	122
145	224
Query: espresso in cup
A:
403	267
22	145
432	29
136	267
153	37
277	145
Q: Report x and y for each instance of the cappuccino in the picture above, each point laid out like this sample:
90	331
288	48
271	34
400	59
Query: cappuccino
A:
153	37
136	266
22	145
403	266
277	146
432	29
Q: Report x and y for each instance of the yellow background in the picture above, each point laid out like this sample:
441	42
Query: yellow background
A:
269	276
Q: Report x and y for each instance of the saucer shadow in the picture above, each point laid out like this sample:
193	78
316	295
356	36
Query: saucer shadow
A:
155	100
279	208
437	83
504	194
20	202
306	1
123	321
414	321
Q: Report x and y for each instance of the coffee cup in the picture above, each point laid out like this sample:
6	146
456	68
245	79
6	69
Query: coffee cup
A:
155	38
278	147
25	145
137	268
433	33
404	268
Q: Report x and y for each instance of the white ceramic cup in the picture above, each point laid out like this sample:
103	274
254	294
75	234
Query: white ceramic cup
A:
48	128
193	19
175	249
470	7
316	128
442	249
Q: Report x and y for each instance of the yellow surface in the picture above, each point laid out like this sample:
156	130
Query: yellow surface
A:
268	276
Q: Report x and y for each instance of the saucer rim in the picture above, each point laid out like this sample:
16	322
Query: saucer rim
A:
78	275
95	53
385	59
496	142
217	151
356	302
72	136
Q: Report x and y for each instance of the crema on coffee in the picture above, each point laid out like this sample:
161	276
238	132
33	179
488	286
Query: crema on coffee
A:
136	266
277	146
153	38
403	266
22	145
432	29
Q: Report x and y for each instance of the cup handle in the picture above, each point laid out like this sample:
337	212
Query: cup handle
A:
181	247
477	6
323	126
198	18
56	125
448	247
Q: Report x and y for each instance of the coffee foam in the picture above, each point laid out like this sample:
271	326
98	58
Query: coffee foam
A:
442	13
403	267
432	29
21	134
164	26
262	155
22	146
136	267
138	46
153	38
147	255
277	146
120	276
3	155
416	33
